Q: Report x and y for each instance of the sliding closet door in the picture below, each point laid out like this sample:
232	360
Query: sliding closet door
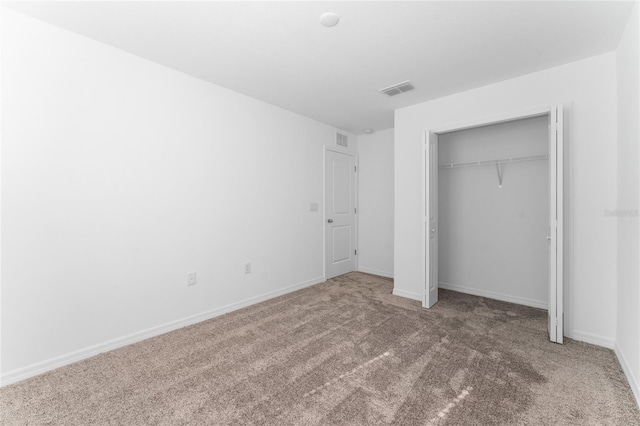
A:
431	219
556	243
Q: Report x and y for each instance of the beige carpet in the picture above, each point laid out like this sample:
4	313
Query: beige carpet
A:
344	352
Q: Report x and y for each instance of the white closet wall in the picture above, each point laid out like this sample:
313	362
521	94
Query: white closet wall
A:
493	240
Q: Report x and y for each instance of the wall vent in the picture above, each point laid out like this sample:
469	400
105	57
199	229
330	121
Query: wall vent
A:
396	89
342	140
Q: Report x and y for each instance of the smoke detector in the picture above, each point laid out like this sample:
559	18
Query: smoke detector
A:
329	19
396	89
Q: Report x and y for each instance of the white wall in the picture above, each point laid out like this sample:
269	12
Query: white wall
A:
491	240
375	203
120	176
588	90
628	329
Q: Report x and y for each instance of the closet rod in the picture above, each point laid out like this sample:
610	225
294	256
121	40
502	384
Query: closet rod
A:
498	161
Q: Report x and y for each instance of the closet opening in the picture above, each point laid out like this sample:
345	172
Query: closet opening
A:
493	222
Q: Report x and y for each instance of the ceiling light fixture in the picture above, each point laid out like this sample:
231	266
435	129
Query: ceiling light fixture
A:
368	131
329	19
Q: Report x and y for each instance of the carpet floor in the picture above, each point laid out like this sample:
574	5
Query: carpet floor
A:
344	352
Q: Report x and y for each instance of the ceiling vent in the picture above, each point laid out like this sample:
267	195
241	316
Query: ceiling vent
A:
396	89
342	140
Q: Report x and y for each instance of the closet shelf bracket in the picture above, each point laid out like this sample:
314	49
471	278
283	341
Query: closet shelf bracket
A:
500	174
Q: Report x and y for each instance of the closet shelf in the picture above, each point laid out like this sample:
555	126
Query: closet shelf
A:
497	161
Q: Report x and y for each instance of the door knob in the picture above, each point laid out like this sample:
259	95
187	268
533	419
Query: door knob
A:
548	238
330	220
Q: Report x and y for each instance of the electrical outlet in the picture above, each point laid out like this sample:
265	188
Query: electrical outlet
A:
247	268
191	278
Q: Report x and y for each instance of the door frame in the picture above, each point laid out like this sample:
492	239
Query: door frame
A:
429	292
566	237
339	150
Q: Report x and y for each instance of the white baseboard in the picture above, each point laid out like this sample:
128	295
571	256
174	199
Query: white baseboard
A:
407	294
594	339
633	381
375	272
51	364
491	295
582	336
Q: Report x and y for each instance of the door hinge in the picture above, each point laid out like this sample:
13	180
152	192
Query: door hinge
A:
355	252
355	210
355	169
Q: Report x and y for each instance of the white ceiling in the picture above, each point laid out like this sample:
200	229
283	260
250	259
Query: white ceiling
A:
279	53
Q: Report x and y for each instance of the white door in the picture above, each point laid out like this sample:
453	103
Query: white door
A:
556	243
431	219
340	213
